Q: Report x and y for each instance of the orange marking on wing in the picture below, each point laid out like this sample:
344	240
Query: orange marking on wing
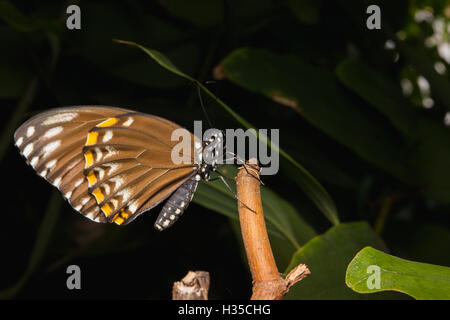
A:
118	220
91	178
98	195
106	209
108	122
89	159
92	138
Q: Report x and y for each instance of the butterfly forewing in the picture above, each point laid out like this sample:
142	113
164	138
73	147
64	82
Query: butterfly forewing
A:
128	164
52	143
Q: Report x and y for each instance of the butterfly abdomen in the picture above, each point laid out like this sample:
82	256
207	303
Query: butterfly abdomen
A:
176	204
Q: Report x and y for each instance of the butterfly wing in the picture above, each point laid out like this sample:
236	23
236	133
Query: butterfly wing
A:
129	167
132	153
52	143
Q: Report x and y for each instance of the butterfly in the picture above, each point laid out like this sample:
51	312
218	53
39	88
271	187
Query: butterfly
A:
113	164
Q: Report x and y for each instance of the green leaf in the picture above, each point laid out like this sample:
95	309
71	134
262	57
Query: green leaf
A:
327	256
419	280
305	180
314	94
380	92
426	136
14	18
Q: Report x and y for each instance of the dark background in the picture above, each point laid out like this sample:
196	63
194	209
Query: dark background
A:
76	67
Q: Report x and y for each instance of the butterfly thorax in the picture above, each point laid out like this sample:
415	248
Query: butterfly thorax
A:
209	162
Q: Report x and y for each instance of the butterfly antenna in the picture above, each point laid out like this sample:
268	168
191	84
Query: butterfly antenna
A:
203	106
221	177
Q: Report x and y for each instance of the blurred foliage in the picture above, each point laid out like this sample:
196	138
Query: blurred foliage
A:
363	117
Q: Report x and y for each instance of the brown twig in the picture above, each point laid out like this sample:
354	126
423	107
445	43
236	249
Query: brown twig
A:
194	286
267	282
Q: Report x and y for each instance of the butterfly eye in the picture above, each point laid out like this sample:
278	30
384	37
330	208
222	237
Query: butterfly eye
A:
111	164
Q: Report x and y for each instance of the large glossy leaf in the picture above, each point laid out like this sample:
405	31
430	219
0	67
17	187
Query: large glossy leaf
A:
314	94
327	256
378	91
315	191
427	137
419	280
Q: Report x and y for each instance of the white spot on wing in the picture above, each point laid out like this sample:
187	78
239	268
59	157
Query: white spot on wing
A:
34	161
28	149
128	122
52	146
53	132
114	202
30	131
77	184
90	215
68	195
107	188
57	182
111	151
113	166
125	193
51	164
118	180
84	201
98	153
19	141
101	172
58	118
108	136
133	207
